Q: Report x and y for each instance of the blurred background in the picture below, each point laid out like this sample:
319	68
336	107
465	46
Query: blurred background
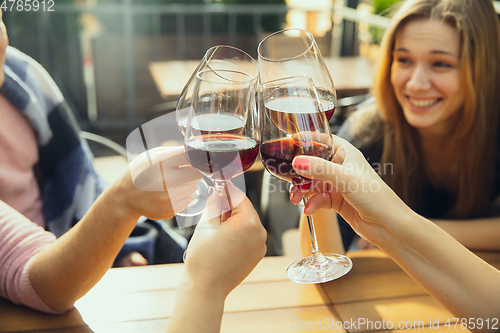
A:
98	51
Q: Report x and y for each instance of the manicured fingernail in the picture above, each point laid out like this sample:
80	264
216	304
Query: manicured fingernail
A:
301	163
291	196
210	190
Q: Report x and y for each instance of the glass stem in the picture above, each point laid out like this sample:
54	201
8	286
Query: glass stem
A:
222	190
219	188
312	232
317	257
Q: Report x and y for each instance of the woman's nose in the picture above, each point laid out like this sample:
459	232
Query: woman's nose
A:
419	79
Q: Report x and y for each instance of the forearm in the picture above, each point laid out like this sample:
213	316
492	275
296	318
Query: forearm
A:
68	268
479	234
327	233
463	283
196	309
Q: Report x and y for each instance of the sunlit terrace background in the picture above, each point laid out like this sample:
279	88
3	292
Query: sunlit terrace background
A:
98	51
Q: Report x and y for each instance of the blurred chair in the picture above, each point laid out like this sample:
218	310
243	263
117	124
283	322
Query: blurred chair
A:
277	213
109	168
345	106
291	243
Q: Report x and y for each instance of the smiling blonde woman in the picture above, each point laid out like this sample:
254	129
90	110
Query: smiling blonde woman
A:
435	119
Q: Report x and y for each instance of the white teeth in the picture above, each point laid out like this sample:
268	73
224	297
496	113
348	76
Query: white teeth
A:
423	103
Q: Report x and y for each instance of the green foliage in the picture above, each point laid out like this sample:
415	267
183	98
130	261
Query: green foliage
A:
381	6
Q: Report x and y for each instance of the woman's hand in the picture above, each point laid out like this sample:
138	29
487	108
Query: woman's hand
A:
350	186
158	184
221	255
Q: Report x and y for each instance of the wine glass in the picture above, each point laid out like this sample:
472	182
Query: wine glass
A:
292	123
220	57
220	139
293	52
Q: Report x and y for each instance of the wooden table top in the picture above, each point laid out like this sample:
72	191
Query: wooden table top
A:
350	74
141	299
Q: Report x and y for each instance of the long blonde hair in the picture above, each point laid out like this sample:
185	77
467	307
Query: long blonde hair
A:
477	133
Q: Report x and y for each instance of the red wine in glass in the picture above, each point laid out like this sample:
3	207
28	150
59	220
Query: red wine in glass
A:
222	156
277	156
327	102
293	122
294	114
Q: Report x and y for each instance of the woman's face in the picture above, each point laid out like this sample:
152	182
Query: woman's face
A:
425	74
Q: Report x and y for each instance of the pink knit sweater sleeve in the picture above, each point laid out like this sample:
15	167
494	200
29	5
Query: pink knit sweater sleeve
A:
20	240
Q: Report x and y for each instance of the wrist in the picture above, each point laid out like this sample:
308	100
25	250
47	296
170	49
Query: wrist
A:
203	289
208	297
398	230
196	297
115	198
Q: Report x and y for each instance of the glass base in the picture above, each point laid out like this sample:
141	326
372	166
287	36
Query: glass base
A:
319	268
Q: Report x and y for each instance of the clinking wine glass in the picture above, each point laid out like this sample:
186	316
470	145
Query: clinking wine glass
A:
294	52
220	139
293	123
220	57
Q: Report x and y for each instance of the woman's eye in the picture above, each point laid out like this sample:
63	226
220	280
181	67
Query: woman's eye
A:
442	64
404	61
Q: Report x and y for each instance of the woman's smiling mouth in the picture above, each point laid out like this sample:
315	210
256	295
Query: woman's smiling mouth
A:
423	102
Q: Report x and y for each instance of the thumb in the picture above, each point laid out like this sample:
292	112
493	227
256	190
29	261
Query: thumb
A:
218	204
213	208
